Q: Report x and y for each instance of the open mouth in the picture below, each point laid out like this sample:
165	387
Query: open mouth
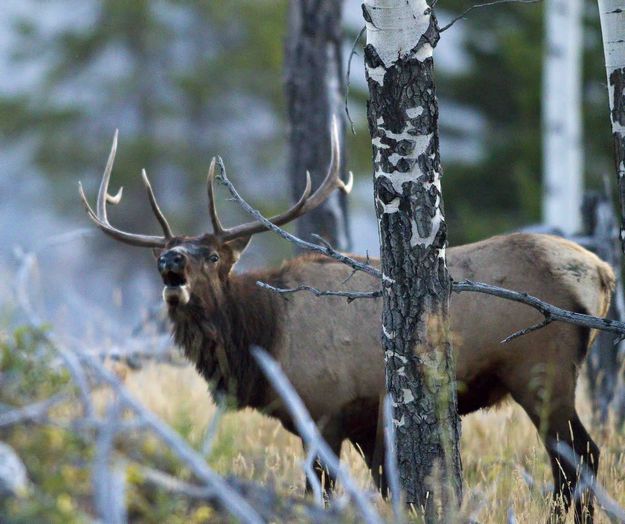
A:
176	290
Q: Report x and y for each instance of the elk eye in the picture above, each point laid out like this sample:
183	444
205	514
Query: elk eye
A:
213	258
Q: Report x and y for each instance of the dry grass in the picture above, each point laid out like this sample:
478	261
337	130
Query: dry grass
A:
494	444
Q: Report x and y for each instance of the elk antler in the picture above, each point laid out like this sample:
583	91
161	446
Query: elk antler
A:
100	217
306	202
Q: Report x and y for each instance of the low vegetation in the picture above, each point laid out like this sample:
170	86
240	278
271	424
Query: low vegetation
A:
500	448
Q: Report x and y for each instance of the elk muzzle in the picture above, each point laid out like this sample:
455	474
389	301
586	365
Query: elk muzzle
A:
171	266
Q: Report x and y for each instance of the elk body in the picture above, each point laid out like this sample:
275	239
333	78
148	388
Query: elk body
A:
330	349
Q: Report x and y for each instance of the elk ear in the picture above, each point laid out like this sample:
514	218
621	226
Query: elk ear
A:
238	245
156	252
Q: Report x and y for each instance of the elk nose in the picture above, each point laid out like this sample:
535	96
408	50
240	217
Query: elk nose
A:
171	261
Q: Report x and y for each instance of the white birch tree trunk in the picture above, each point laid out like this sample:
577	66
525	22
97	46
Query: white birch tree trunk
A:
562	124
420	375
612	13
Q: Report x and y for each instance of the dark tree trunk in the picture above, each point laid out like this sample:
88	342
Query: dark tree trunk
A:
420	374
603	363
314	92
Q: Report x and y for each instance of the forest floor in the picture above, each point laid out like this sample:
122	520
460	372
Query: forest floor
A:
495	445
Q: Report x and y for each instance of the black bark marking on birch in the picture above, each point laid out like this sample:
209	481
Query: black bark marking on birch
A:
617	82
418	355
617	114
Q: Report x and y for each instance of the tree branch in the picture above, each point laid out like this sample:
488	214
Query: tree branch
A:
486	4
324	250
347	77
549	311
350	295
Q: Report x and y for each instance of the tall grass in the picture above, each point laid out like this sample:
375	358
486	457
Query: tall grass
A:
495	445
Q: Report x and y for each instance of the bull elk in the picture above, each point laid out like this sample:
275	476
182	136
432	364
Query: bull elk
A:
330	349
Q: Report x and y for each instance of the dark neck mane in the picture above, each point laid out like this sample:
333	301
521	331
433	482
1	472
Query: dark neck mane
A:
216	335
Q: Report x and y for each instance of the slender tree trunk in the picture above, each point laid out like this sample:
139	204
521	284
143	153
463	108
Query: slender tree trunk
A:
612	13
420	375
562	123
315	92
602	364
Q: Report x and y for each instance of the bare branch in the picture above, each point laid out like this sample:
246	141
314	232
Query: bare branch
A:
614	511
79	377
309	433
230	499
549	311
539	325
33	412
324	250
486	4
350	295
107	499
347	77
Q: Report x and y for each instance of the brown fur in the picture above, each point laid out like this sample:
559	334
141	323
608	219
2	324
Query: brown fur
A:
330	349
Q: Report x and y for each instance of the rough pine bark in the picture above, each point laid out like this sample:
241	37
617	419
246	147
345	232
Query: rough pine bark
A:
612	13
314	92
420	375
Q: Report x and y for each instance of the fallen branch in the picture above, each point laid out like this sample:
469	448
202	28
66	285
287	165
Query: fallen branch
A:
36	412
611	508
307	430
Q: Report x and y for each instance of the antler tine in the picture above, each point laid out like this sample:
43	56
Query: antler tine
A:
306	202
103	195
212	209
157	210
100	218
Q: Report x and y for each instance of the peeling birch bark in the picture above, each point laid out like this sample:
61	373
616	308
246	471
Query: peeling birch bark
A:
403	121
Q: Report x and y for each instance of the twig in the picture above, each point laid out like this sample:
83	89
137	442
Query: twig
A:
274	508
614	511
165	481
347	78
350	295
309	433
486	4
324	250
392	473
539	325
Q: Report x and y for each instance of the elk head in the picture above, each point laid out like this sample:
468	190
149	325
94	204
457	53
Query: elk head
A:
188	264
